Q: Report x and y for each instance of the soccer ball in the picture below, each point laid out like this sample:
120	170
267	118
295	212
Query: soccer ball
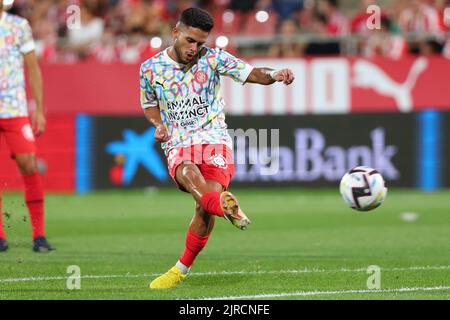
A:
363	188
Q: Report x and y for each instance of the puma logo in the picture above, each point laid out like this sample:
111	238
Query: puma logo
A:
161	84
369	76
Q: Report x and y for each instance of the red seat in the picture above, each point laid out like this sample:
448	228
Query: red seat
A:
226	22
255	28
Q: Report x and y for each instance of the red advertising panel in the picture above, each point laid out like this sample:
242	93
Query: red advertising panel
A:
56	158
322	85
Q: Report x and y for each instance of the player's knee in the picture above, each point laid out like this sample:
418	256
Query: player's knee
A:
189	172
27	166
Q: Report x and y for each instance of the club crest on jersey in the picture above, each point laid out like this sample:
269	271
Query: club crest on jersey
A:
27	132
219	161
9	39
201	77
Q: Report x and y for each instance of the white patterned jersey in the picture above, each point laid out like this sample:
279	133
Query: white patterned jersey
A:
189	97
15	41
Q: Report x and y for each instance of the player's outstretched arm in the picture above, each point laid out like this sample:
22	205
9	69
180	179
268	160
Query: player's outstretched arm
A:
154	117
34	74
268	76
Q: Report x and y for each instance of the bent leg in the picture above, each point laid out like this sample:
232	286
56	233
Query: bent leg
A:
206	194
198	232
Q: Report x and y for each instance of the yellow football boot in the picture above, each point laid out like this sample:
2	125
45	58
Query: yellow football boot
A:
168	280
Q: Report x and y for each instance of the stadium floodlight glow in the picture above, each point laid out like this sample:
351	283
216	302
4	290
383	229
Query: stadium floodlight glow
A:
262	16
222	41
156	42
228	16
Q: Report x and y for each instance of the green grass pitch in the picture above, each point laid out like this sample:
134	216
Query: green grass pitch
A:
303	244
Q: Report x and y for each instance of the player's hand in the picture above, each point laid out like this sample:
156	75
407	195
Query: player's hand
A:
284	75
38	123
161	134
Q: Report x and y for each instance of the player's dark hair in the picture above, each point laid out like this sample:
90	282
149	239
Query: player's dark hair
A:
197	18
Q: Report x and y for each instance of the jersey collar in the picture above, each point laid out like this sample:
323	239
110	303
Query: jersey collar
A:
166	54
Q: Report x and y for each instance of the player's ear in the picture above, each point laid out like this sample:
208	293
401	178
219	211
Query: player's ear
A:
175	33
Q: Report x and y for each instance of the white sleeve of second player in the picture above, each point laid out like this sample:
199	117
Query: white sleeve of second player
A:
26	39
27	47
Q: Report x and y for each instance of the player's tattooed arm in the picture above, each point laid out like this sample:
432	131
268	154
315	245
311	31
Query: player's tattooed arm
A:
154	117
268	76
34	74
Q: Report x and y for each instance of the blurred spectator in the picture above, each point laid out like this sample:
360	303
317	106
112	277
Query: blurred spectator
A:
384	43
337	22
446	49
358	23
243	5
120	30
287	9
135	48
286	44
44	30
431	47
420	16
90	31
324	44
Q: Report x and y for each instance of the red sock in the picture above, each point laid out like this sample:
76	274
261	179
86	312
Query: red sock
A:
2	233
34	197
194	244
211	203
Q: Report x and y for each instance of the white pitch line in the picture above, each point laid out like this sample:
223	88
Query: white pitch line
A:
319	293
222	273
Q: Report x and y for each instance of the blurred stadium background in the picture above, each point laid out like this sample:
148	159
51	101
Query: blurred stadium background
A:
382	95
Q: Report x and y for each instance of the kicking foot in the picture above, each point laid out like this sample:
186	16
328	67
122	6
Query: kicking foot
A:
232	211
168	280
40	244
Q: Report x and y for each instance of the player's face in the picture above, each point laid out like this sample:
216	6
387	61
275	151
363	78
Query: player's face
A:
188	42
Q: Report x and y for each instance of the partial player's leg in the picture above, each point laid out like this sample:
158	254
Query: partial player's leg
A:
211	200
3	242
20	139
34	199
197	236
220	203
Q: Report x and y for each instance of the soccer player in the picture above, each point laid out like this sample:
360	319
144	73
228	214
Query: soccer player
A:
17	48
180	97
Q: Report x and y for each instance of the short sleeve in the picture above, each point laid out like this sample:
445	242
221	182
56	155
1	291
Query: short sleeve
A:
230	66
26	41
148	95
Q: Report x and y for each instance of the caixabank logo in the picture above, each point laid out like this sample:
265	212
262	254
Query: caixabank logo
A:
318	150
311	158
132	151
310	151
118	152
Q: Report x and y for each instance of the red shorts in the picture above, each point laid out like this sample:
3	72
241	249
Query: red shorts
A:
215	162
18	135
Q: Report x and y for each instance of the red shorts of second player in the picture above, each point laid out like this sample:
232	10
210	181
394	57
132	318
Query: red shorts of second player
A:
215	162
18	134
